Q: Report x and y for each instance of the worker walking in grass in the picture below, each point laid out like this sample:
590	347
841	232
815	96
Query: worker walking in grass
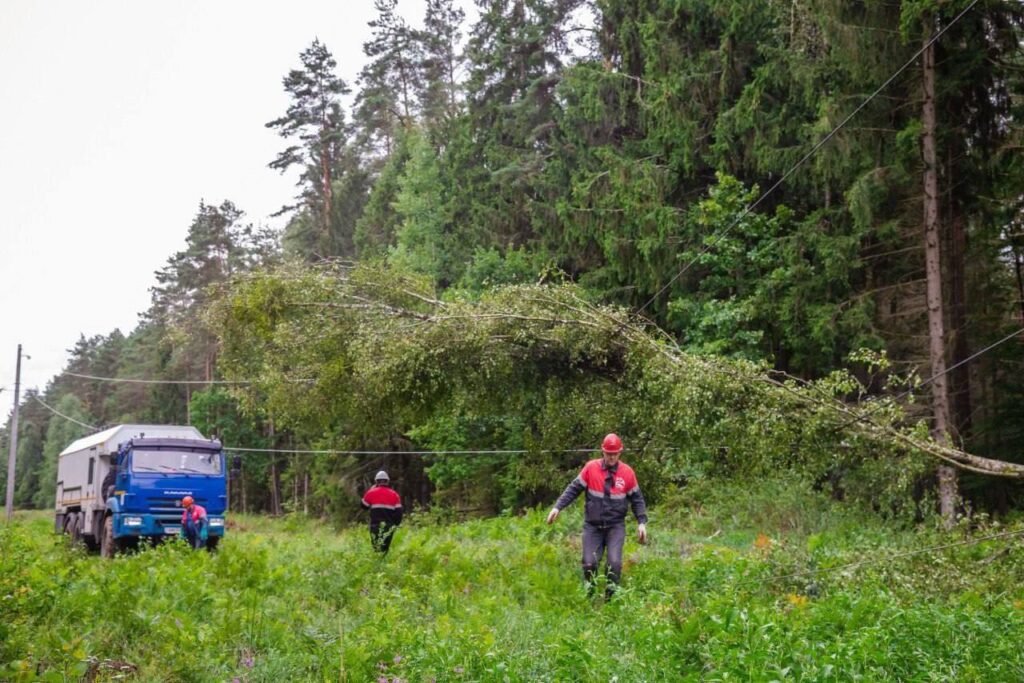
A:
194	524
611	488
385	506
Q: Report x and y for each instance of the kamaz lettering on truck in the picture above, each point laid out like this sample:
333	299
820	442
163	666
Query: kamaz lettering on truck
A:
125	484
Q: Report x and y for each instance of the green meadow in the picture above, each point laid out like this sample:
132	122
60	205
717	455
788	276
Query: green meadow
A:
734	585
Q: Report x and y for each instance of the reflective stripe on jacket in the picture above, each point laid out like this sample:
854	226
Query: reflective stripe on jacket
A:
610	493
384	505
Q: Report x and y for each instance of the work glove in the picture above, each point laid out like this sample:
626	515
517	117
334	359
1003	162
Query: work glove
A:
641	532
553	515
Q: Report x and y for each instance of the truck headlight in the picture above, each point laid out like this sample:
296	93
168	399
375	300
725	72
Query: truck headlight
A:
131	521
216	521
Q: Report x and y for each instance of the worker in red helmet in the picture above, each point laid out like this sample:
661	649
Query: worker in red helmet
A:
611	489
194	524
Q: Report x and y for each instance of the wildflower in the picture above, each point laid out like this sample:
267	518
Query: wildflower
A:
459	669
797	601
398	659
762	542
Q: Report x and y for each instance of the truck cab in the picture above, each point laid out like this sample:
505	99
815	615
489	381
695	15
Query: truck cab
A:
125	484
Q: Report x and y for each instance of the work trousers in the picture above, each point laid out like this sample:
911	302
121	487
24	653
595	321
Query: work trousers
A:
194	534
597	539
381	535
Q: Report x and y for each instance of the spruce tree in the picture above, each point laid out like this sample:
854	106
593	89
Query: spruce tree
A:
438	89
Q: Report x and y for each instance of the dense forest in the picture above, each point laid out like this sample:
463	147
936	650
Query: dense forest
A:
520	234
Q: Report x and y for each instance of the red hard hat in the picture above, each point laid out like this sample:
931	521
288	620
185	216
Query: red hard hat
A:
612	444
186	501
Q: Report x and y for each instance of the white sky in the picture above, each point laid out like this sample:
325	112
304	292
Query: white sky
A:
116	119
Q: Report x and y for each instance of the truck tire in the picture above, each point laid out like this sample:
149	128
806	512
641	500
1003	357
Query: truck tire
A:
69	524
211	543
75	528
108	544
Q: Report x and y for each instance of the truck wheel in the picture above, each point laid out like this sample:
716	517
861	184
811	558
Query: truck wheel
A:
75	528
211	543
108	544
69	524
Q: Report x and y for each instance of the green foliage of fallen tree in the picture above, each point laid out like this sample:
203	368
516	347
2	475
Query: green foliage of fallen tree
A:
369	357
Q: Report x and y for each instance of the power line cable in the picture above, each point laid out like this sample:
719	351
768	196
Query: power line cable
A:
521	451
427	452
718	237
300	451
172	381
60	414
904	394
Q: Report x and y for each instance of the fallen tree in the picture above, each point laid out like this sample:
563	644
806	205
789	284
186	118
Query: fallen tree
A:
364	356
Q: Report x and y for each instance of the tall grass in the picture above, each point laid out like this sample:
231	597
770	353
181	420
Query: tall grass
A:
501	599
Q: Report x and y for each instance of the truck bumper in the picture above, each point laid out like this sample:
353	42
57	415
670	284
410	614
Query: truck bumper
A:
131	525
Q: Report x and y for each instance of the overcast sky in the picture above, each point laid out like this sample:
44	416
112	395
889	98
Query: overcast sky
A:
117	118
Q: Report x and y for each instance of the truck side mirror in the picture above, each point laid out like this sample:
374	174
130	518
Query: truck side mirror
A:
236	466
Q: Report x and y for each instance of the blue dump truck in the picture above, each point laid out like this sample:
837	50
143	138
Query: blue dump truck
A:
124	485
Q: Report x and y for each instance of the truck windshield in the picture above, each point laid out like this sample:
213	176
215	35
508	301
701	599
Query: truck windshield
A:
169	461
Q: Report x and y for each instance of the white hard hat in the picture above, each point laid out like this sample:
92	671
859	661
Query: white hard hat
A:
382	476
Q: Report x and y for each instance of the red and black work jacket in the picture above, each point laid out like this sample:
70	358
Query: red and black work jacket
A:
385	506
198	513
610	493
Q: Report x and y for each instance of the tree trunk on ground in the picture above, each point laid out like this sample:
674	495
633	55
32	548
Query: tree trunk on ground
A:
947	475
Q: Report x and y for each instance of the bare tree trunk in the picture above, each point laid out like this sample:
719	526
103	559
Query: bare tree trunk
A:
325	171
305	493
933	270
275	486
275	475
1020	281
960	378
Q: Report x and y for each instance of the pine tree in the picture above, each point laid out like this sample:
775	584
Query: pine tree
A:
316	120
385	105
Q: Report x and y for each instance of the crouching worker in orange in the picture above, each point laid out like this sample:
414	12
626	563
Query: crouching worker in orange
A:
385	508
194	524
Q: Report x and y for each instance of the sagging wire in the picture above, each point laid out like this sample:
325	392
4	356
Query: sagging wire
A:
204	382
718	237
60	414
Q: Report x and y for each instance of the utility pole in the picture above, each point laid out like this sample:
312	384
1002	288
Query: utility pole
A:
12	453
